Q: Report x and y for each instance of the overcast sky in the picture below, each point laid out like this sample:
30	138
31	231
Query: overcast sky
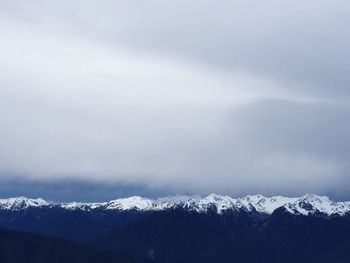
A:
194	97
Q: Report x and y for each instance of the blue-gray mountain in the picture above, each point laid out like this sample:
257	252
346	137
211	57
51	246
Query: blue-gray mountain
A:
192	229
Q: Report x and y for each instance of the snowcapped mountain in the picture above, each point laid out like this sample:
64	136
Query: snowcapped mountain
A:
227	229
19	203
304	205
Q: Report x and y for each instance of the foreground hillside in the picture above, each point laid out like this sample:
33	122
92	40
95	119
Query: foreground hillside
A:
20	247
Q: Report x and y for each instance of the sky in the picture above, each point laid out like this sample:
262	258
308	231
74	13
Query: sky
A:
116	98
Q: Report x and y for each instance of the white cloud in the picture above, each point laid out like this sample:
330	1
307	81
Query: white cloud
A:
76	103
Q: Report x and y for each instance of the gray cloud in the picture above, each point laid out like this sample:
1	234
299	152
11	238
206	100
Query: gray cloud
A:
303	45
191	97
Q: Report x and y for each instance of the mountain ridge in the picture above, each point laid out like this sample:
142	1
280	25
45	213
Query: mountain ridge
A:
304	205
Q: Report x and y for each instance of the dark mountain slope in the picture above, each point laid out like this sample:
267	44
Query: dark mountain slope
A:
74	225
288	238
234	237
20	247
179	236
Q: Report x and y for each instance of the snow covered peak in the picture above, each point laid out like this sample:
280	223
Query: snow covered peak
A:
19	203
221	202
304	205
263	204
134	202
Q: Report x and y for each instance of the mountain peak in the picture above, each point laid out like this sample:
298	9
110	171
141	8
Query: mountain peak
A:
22	202
133	202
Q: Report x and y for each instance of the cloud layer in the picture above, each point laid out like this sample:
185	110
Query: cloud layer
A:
188	96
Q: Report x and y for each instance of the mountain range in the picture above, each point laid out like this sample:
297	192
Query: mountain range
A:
307	204
215	228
